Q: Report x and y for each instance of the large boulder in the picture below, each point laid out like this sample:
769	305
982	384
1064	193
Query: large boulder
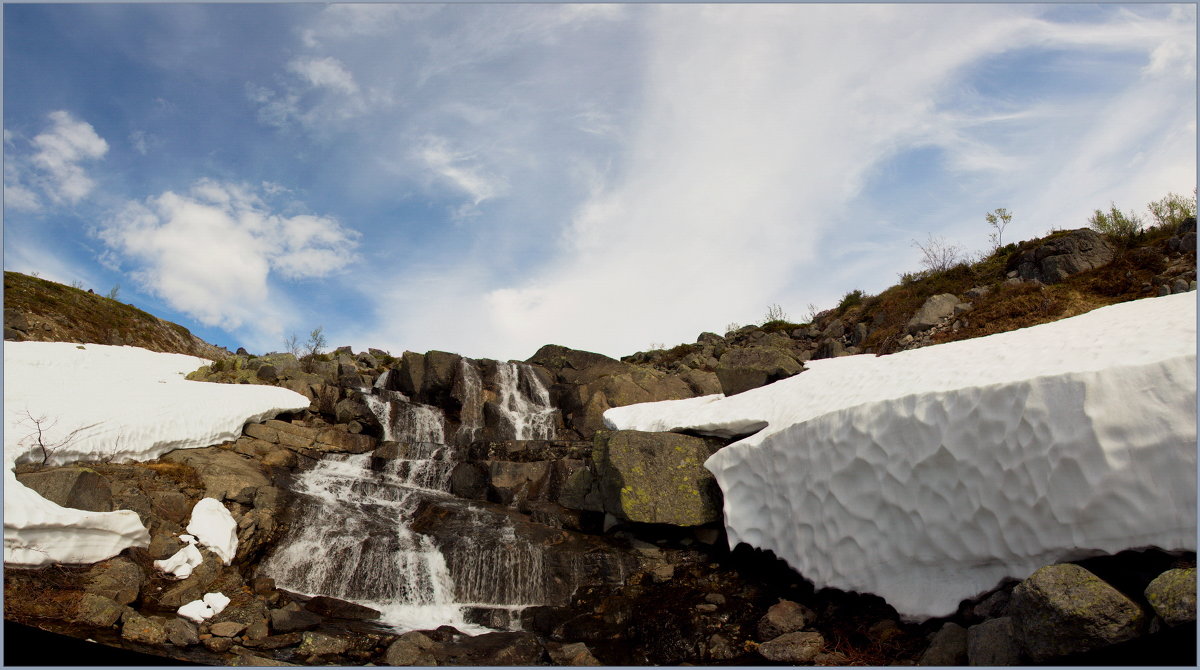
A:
657	477
77	487
225	473
1173	596
493	649
783	617
751	367
993	642
118	578
794	648
947	647
1065	609
932	312
1060	256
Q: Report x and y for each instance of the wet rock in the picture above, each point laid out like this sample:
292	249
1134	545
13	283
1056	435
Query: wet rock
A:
748	368
341	609
95	610
657	477
948	646
147	630
412	648
1173	596
1064	609
77	487
320	644
181	632
575	653
783	617
227	628
288	620
799	647
992	643
495	649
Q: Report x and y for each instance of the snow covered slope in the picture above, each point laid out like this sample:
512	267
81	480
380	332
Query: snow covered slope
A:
928	475
100	402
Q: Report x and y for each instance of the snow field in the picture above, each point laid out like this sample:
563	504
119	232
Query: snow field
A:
99	402
928	475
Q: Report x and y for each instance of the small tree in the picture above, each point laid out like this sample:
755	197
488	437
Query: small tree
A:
291	344
1119	226
998	219
39	437
937	255
1172	209
113	292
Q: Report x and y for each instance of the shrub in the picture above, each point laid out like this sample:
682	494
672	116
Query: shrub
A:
1172	209
774	313
849	300
937	255
1118	226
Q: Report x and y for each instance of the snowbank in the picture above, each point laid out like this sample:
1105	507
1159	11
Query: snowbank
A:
209	606
928	475
101	402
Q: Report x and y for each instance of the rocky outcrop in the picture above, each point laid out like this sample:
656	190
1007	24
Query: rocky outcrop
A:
657	477
1059	256
71	486
751	367
935	309
1173	595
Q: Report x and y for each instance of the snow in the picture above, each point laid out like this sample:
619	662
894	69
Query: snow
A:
182	562
209	606
928	475
100	402
215	528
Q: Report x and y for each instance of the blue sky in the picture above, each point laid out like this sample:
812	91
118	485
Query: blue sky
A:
486	179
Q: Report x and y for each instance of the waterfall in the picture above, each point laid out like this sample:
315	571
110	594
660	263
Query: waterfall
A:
524	402
401	419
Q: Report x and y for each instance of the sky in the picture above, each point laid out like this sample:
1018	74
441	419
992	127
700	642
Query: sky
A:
489	178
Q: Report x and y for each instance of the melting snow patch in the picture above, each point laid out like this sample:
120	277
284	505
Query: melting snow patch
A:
198	610
182	562
926	476
215	528
106	403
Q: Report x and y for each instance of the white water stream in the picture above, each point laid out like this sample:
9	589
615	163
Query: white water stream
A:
352	539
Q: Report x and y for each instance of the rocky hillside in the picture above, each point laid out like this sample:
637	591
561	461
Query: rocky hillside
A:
44	311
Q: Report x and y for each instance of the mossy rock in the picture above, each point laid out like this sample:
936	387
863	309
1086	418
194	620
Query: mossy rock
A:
657	477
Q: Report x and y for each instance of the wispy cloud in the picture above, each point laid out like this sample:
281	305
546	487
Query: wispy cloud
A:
459	169
53	164
211	252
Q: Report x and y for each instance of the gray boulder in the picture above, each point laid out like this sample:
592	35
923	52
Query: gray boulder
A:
948	646
181	632
412	648
783	617
992	643
77	487
799	647
286	620
657	477
119	579
748	368
320	644
1173	596
935	309
1064	609
95	610
225	473
1061	256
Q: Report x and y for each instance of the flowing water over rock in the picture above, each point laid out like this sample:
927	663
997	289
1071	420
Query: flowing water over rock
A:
353	537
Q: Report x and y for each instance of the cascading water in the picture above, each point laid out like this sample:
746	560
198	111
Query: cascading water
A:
353	538
524	402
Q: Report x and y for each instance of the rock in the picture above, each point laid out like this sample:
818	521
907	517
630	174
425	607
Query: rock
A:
119	579
1173	596
751	367
992	643
181	632
714	598
935	309
16	320
829	349
1064	609
412	648
1162	290
469	480
267	373
224	473
720	649
575	653
340	609
320	644
227	628
147	630
218	645
287	620
657	477
274	641
799	647
833	658
710	338
1179	285
495	649
783	617
192	588
948	646
77	487
1060	256
95	610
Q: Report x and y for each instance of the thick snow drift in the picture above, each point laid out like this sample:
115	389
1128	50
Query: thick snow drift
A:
215	528
101	402
928	475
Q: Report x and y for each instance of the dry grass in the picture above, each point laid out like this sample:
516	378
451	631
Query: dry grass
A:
184	475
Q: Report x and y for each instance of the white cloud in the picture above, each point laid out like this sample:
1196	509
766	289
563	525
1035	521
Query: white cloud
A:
211	253
460	169
53	164
324	73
